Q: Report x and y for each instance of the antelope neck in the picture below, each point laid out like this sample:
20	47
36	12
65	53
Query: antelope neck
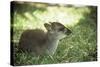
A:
52	43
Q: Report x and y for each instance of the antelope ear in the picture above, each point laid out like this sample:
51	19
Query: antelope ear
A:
48	26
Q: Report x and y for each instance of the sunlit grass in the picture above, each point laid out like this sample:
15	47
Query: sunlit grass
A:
64	15
68	16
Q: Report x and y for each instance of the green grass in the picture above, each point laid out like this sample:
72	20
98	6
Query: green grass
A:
80	46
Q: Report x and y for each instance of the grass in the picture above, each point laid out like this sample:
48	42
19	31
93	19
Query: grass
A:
80	46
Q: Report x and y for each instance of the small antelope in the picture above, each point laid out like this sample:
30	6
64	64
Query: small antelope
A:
39	42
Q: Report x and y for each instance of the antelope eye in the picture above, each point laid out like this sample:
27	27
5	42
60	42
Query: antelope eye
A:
61	29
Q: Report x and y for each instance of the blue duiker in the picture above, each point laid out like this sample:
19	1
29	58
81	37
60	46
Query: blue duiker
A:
39	42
